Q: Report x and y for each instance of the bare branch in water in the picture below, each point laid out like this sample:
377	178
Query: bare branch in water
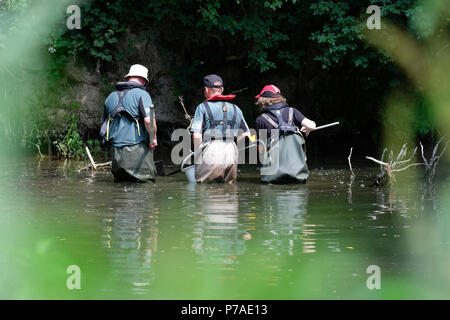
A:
99	165
377	161
393	163
352	177
430	165
408	166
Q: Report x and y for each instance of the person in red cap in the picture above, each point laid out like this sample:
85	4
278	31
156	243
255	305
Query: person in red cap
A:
217	126
285	159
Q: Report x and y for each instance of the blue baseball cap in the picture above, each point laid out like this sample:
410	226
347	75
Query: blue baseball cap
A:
213	81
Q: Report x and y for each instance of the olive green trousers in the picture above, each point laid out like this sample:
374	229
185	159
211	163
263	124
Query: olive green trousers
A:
285	162
133	163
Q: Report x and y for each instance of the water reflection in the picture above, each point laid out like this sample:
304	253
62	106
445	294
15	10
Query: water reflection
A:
219	236
130	234
172	239
284	220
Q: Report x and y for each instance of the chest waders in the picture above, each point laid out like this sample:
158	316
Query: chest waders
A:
285	161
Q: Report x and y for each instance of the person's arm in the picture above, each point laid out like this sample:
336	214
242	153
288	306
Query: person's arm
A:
104	114
307	125
197	137
259	125
197	127
153	140
147	110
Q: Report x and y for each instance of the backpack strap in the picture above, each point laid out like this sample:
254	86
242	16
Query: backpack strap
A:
270	120
233	121
117	112
225	120
212	122
291	116
285	127
119	107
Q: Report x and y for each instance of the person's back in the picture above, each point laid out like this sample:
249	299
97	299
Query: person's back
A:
129	128
285	160
218	124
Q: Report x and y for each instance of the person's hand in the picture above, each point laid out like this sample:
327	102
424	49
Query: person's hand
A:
305	131
153	144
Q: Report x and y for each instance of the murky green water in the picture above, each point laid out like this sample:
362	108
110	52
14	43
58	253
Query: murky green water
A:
174	240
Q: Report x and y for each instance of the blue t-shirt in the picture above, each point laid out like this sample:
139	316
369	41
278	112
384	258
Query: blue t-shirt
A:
202	123
122	130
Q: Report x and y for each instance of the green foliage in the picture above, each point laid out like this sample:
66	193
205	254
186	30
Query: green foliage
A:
316	45
412	113
70	144
423	121
9	10
99	30
94	146
265	32
103	23
343	22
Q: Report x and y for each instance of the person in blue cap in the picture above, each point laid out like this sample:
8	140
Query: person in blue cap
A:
217	126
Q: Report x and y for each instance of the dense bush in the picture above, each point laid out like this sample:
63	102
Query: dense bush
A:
320	44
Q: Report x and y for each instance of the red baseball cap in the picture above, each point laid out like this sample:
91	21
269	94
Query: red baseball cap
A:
269	91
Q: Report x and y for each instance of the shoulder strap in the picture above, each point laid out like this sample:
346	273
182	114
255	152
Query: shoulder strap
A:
233	121
224	122
291	116
270	120
117	111
119	108
225	119
212	122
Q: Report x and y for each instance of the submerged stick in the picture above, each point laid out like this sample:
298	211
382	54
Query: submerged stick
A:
91	159
100	165
350	164
377	161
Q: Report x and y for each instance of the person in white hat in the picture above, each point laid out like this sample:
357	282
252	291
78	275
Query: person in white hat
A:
138	73
129	128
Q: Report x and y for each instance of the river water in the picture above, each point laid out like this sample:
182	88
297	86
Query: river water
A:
175	240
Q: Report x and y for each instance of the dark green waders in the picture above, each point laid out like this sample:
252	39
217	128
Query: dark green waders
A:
133	163
285	162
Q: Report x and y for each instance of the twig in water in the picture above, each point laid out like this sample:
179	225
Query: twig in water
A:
430	165
90	158
99	165
186	115
352	177
394	164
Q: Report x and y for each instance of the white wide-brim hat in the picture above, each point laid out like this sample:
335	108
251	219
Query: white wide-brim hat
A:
137	70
